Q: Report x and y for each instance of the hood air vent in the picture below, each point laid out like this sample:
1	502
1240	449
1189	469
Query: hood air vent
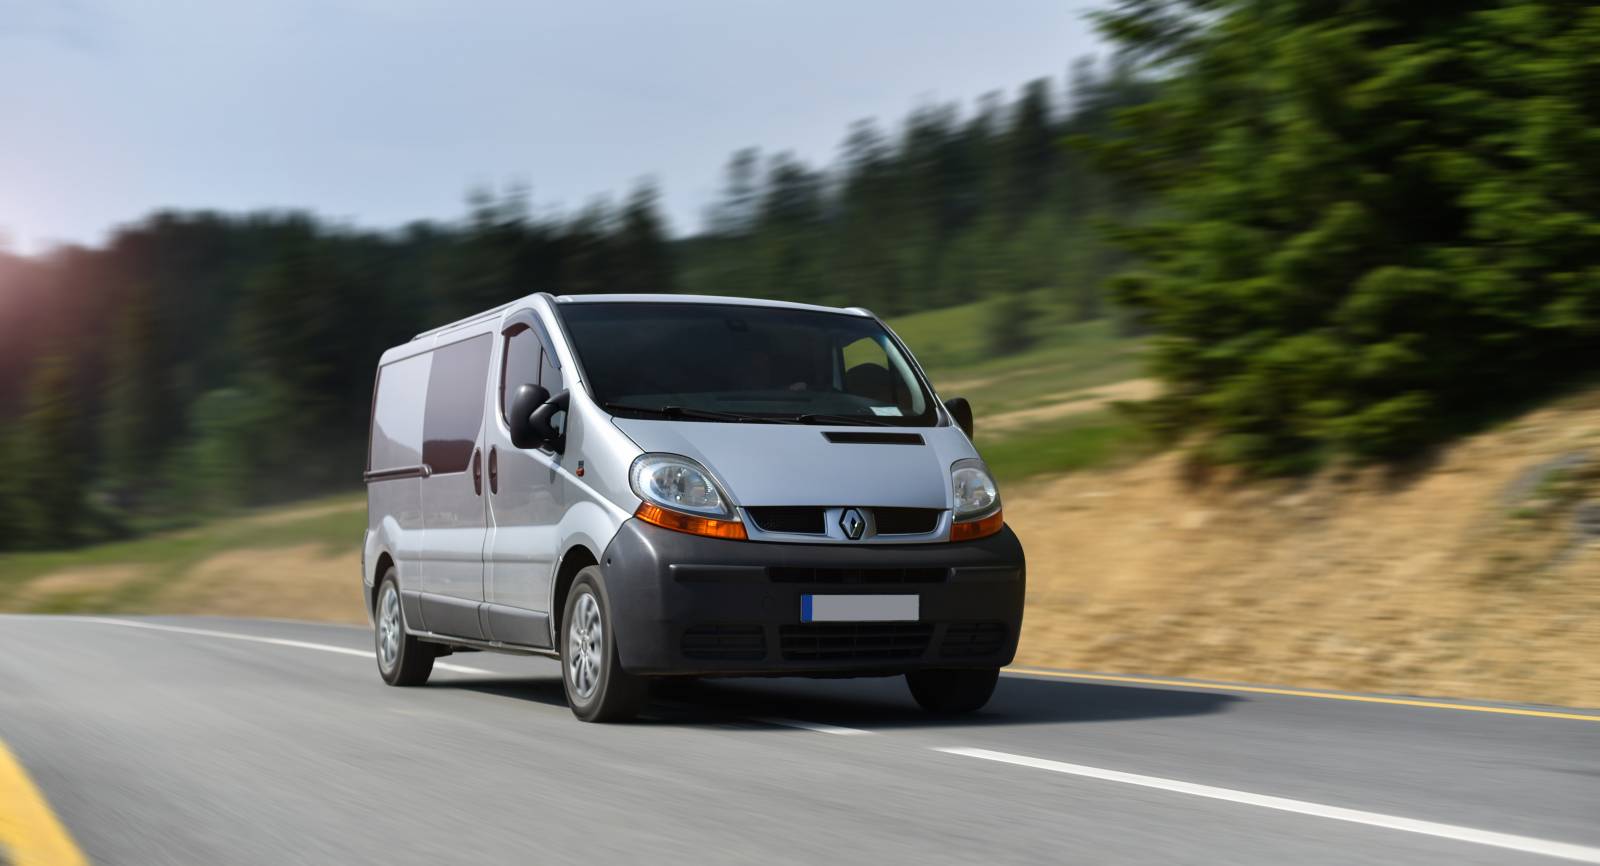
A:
862	437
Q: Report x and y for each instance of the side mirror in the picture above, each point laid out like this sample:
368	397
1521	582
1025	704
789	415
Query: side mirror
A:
542	422
961	411
527	400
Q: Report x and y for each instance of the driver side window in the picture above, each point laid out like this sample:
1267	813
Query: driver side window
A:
520	366
526	362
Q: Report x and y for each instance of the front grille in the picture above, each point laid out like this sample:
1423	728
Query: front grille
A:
725	642
854	576
812	519
804	519
965	640
906	521
854	641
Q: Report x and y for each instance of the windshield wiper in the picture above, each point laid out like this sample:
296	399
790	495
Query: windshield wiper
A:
841	419
689	412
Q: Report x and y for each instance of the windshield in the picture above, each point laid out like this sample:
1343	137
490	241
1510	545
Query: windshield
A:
731	362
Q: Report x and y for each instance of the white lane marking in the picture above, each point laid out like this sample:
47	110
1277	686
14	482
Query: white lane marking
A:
818	727
274	641
459	669
1524	844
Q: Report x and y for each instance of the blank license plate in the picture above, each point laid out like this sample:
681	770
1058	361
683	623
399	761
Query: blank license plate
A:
859	608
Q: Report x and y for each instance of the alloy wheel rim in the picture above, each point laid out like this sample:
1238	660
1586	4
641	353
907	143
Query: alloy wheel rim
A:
389	629
584	636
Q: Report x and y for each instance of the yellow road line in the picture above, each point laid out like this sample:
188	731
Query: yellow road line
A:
30	834
1301	693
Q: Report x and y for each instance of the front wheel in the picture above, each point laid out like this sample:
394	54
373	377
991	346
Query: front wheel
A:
598	689
950	692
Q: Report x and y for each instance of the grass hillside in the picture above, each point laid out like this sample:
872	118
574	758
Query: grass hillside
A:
301	561
1041	410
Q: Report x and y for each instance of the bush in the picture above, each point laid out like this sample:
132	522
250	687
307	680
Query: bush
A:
1009	324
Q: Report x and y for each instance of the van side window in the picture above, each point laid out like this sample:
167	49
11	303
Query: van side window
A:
397	414
455	404
520	366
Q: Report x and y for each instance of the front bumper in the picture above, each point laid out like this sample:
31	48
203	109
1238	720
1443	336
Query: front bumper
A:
684	604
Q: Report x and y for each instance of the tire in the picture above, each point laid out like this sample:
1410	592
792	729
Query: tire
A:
598	689
402	659
952	692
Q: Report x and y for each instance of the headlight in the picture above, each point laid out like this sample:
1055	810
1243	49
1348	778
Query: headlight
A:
677	483
975	492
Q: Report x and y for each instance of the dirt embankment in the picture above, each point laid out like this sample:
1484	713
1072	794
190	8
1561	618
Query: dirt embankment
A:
1477	576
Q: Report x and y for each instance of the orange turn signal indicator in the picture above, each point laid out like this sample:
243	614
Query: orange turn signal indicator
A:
690	523
983	527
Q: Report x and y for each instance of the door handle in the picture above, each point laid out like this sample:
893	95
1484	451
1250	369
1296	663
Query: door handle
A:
494	470
477	471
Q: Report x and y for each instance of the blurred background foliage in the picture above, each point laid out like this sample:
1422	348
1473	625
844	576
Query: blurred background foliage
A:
1381	219
1347	228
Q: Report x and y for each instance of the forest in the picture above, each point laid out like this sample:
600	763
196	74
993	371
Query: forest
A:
201	361
1348	230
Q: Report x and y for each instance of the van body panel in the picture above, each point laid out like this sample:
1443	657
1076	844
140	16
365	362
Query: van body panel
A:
522	539
511	625
394	506
455	514
542	508
390	536
606	454
450	560
525	495
795	464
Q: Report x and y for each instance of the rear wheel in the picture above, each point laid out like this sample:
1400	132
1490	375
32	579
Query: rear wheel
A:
402	659
598	689
953	691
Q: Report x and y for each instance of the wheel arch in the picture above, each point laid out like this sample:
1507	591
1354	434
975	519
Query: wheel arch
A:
369	584
575	559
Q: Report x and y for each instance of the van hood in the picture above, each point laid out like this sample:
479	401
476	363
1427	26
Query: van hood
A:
795	464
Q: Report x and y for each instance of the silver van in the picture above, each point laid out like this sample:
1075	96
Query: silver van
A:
647	486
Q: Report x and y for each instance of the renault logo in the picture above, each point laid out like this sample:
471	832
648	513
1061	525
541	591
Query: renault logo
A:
853	523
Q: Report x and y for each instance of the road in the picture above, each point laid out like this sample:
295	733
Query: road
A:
218	741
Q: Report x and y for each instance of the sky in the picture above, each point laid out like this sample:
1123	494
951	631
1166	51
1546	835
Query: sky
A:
380	112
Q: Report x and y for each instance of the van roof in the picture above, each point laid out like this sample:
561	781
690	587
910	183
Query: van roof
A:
703	299
637	298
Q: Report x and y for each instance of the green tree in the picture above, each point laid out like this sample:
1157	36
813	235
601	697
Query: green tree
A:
1010	323
645	257
10	506
307	370
218	467
736	213
136	416
1030	152
50	471
1381	216
790	231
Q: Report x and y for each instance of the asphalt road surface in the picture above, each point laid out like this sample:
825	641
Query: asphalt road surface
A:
216	741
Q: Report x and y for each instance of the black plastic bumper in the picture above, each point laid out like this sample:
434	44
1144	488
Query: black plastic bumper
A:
685	604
